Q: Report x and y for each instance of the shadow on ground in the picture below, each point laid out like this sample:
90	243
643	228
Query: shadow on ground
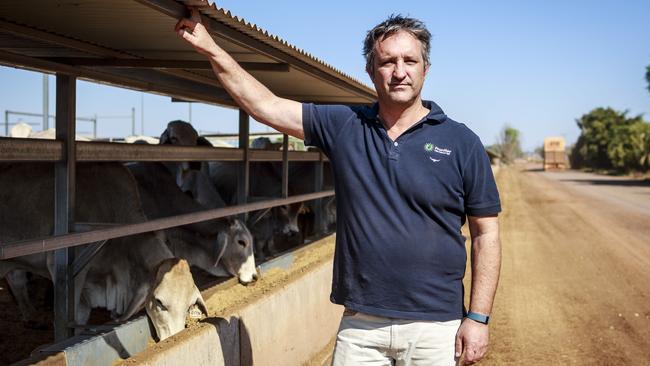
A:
611	182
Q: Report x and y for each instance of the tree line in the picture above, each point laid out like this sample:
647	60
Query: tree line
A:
611	140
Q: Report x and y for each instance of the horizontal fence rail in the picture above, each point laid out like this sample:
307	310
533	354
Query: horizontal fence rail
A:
18	149
25	247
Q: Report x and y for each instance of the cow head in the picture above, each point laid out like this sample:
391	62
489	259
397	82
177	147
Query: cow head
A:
173	294
261	143
285	218
179	133
238	259
182	133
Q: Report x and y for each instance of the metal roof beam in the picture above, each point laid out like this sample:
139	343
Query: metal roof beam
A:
211	94
162	64
42	36
22	31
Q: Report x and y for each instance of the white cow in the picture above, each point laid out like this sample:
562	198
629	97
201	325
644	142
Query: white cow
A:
20	130
126	275
50	134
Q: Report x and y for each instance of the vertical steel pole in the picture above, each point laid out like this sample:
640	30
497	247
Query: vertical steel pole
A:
95	127
64	203
190	110
285	165
46	102
6	123
319	208
244	171
132	121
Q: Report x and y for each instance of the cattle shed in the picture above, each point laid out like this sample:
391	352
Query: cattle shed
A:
131	44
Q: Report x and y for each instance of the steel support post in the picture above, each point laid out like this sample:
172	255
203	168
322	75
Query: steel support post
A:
64	203
7	123
285	166
244	171
319	208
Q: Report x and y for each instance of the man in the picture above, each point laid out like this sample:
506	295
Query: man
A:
406	178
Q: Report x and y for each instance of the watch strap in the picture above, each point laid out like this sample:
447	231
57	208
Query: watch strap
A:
478	317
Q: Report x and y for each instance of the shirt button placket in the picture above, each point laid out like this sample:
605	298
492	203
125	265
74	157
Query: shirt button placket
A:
394	151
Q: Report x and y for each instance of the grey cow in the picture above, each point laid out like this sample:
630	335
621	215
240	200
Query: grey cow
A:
205	180
221	247
126	275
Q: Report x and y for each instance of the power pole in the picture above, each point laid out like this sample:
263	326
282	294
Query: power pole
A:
141	114
46	102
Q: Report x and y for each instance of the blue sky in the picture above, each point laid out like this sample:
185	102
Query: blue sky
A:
534	65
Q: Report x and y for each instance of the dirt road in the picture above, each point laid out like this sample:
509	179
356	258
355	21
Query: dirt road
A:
575	280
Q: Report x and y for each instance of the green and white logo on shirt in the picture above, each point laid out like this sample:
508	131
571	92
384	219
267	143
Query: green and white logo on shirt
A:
428	146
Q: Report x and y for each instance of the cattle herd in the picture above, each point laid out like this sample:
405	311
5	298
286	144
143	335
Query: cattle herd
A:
152	270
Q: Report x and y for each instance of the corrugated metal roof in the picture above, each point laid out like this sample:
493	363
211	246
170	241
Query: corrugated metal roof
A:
62	35
221	14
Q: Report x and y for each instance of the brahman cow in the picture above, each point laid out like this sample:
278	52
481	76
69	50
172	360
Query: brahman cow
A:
127	274
204	181
221	247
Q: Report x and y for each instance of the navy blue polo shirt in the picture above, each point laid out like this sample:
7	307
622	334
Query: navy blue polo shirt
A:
400	207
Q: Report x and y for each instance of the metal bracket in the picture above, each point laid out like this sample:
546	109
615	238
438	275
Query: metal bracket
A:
88	252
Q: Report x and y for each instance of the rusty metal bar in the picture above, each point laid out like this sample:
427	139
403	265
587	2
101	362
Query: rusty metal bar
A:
16	249
30	150
12	149
268	155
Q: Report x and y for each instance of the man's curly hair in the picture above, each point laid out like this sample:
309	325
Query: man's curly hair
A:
392	25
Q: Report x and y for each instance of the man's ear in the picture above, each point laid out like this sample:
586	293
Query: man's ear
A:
426	69
370	73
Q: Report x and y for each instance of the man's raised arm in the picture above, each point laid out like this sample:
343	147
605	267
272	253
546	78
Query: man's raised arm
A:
256	99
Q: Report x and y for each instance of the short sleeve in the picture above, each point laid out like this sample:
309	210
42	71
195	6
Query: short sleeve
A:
481	194
323	123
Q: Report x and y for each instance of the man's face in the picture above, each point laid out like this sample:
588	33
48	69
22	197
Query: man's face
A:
398	69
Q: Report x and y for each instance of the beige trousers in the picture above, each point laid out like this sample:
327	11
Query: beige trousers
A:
371	340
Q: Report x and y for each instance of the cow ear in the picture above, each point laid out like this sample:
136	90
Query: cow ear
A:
164	138
202	141
231	222
297	208
201	304
222	243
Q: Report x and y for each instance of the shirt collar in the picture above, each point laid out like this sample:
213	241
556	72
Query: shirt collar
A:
435	112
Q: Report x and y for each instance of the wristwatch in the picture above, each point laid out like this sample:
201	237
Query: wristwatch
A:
478	317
